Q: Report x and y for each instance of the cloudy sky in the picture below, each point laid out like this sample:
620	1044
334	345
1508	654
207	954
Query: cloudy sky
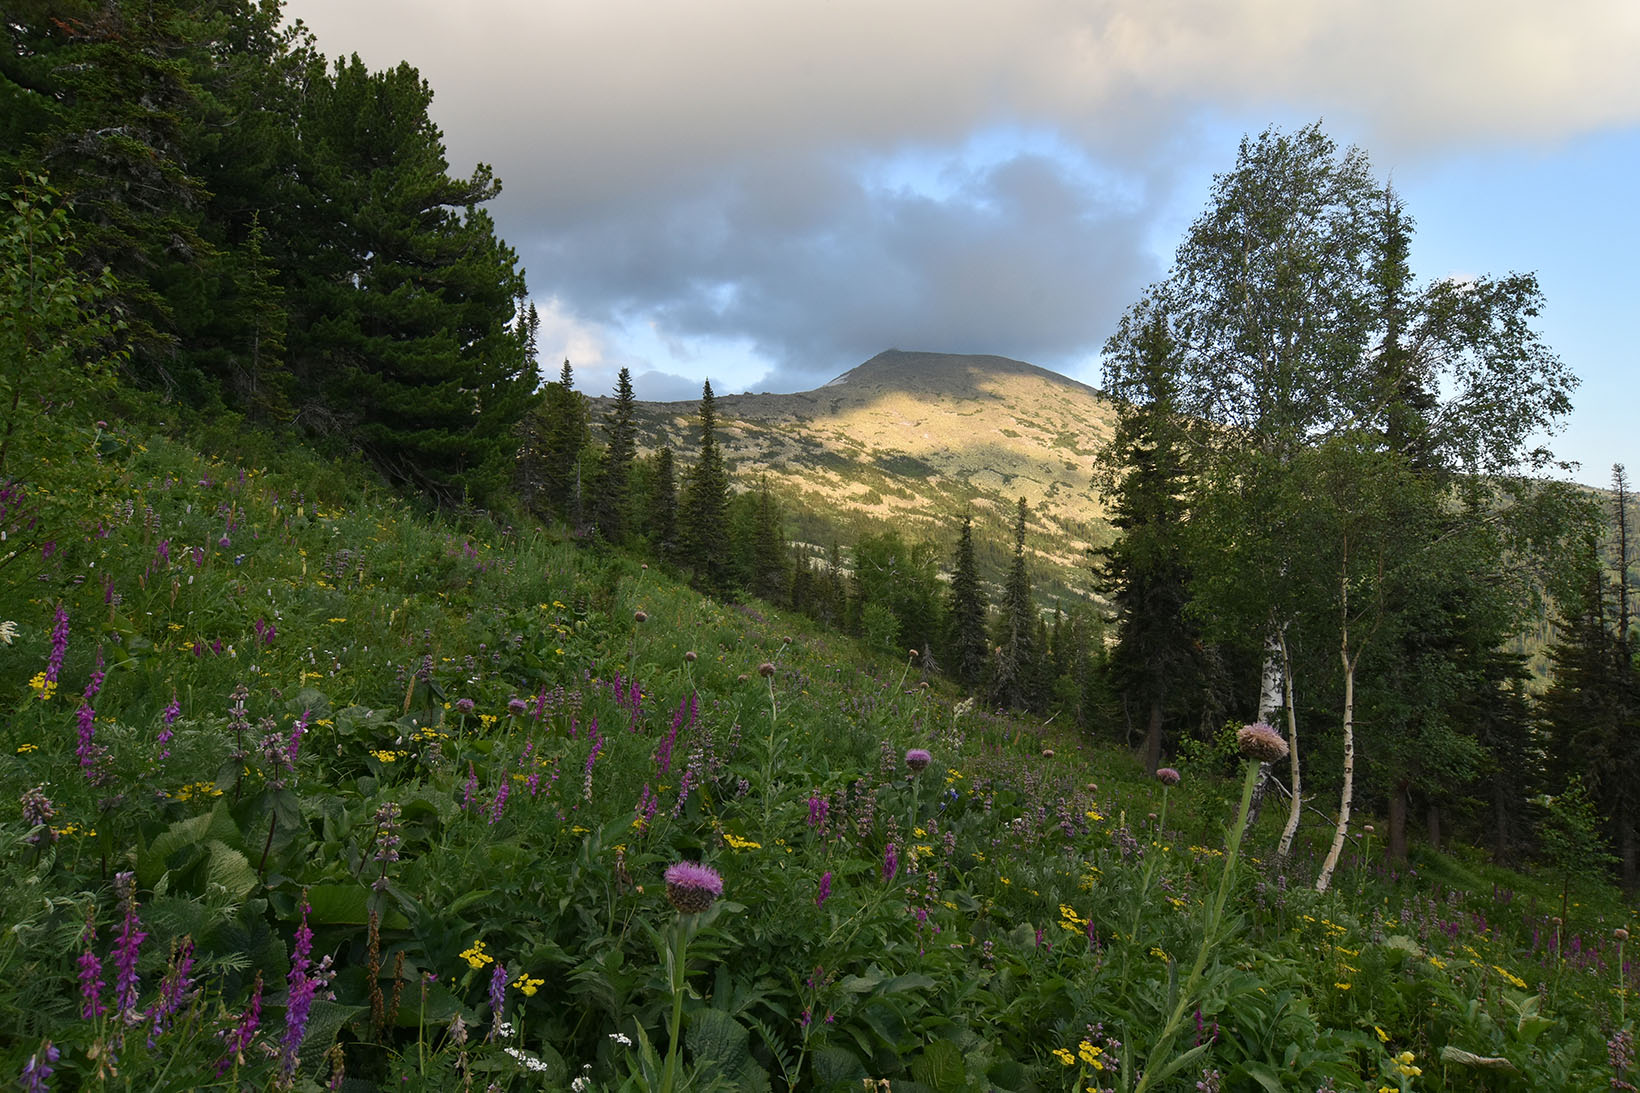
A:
768	192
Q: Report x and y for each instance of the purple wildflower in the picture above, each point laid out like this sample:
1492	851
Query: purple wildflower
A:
647	804
500	805
303	986
91	980
470	790
37	812
59	645
294	746
173	989
1167	776
517	706
819	807
692	887
1261	743
127	946
825	889
917	759
38	1070
239	1037
464	705
891	862
498	992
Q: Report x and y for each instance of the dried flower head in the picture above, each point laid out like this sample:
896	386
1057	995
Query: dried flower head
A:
1167	776
1620	934
918	759
640	616
1047	753
1260	742
766	669
692	887
689	657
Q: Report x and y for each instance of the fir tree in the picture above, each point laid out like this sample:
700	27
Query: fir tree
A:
966	636
1144	571
563	432
1015	668
703	515
663	505
767	576
615	476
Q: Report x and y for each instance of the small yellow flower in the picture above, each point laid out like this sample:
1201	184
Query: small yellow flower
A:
527	985
739	843
1090	1052
24	749
1064	1056
1383	1037
476	957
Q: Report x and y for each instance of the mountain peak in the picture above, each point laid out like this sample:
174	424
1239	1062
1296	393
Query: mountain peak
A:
953	374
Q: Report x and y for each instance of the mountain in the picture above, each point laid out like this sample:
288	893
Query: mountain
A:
912	440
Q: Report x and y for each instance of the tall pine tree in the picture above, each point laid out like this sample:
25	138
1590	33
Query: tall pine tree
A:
1014	671
615	476
703	515
967	640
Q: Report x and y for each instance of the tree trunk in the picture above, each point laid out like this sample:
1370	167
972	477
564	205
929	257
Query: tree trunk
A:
1432	825
1296	805
1500	824
1348	791
1269	701
1153	738
1398	821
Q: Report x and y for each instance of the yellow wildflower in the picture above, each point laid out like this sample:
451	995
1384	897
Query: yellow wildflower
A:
476	957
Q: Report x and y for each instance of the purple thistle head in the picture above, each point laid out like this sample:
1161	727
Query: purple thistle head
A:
917	759
517	706
1260	742
464	705
692	887
1167	776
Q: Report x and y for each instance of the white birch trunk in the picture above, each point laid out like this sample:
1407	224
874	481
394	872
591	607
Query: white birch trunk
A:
1271	689
1342	829
1296	805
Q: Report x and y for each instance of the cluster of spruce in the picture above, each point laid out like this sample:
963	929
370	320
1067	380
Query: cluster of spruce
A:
280	237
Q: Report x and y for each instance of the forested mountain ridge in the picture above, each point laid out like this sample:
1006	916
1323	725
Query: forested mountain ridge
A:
912	440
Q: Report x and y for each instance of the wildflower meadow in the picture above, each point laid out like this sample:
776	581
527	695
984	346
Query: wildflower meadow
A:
308	790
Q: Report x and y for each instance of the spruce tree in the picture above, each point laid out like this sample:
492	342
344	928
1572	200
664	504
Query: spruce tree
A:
703	514
563	432
767	577
966	637
1015	670
615	476
662	524
1144	572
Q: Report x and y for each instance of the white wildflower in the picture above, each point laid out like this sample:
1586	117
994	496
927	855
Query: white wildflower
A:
8	632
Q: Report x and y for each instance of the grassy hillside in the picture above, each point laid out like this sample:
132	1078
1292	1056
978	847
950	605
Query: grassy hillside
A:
315	791
913	440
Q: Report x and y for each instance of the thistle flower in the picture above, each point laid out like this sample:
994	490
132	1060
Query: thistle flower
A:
640	616
1261	743
692	887
1167	776
688	658
518	707
766	669
917	759
464	705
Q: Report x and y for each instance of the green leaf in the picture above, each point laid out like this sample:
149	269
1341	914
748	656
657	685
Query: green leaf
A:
229	868
941	1065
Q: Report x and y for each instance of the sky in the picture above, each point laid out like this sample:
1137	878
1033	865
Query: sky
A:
766	193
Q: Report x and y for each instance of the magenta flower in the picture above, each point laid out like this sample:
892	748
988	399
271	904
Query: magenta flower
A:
38	1070
1167	776
303	986
91	980
918	759
825	889
59	645
891	862
127	946
692	887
